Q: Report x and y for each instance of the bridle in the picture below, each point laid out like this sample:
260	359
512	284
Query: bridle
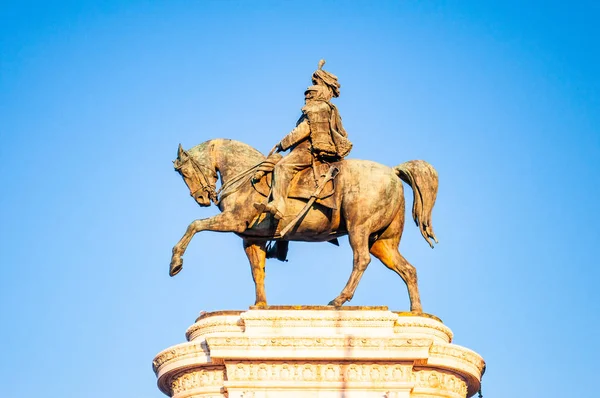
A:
205	184
226	189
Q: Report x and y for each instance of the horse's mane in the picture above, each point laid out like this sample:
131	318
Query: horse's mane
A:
229	157
251	154
235	161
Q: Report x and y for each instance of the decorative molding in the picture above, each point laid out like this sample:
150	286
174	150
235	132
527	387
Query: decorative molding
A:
310	372
316	318
435	381
458	352
212	325
342	342
179	352
188	380
423	325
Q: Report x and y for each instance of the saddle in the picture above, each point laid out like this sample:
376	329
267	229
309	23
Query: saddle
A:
304	184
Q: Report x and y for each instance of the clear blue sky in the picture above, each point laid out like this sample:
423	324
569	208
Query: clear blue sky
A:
503	98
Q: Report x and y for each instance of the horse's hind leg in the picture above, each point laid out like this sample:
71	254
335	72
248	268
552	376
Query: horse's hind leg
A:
359	240
256	253
386	250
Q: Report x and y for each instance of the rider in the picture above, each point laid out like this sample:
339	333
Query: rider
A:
319	135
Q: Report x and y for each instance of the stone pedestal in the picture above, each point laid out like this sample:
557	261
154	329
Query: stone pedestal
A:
318	352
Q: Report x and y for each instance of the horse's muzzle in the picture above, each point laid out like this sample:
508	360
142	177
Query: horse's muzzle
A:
201	198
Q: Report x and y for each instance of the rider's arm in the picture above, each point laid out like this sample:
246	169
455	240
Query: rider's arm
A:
299	134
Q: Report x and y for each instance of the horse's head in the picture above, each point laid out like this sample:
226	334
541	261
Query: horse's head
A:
200	179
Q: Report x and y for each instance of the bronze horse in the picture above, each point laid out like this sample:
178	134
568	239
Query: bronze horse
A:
371	211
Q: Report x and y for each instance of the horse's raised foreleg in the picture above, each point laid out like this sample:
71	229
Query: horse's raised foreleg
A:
257	254
359	241
386	250
224	222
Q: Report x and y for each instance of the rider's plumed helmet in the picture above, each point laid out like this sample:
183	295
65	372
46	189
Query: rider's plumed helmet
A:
321	76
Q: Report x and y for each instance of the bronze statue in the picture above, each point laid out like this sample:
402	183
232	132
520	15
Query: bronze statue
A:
318	137
317	195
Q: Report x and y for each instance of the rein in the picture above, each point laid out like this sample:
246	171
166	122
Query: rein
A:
226	189
204	185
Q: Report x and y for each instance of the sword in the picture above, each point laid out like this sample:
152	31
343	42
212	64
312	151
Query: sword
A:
330	175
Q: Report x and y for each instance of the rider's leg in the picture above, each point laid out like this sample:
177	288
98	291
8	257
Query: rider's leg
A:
299	159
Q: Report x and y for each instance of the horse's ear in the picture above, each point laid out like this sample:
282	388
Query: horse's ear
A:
181	153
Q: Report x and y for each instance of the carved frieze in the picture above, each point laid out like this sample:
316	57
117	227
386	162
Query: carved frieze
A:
310	372
438	383
189	380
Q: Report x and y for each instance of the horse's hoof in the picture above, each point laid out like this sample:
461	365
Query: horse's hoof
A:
261	304
336	303
176	266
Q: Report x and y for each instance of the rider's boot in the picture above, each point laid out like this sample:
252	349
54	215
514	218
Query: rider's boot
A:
269	207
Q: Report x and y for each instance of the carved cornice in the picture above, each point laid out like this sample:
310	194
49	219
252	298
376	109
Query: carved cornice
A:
458	352
217	324
245	344
461	360
331	319
179	352
422	325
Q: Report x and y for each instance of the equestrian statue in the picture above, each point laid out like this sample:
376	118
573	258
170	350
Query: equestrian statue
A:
312	194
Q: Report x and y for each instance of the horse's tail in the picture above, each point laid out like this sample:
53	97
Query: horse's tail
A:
423	179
